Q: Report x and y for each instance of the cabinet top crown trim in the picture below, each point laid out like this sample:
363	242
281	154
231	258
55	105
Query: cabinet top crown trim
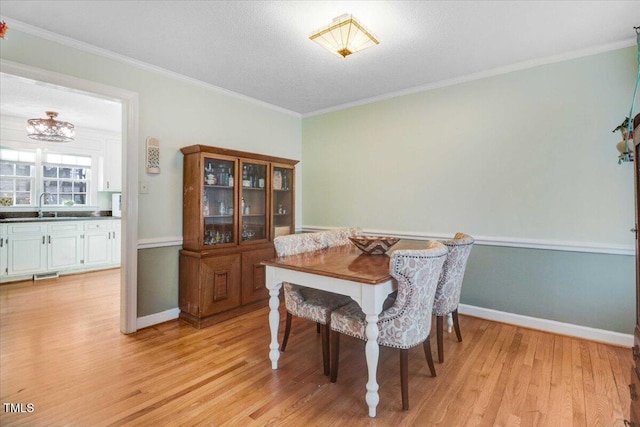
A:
198	148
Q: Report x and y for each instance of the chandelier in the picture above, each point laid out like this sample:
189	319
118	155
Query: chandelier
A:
344	36
50	129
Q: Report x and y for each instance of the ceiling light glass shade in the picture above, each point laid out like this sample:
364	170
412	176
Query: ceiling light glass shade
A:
344	36
50	129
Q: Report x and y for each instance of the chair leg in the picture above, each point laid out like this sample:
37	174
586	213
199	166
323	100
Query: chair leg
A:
287	331
427	352
456	324
439	332
335	355
325	349
317	328
404	377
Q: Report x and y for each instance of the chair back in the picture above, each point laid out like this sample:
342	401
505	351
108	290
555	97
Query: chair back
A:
408	321
339	236
294	244
450	284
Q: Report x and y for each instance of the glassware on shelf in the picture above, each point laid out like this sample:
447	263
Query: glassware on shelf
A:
247	233
205	202
208	238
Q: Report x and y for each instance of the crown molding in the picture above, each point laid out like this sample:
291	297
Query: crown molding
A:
483	75
89	48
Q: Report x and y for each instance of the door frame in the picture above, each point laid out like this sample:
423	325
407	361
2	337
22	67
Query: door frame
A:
129	158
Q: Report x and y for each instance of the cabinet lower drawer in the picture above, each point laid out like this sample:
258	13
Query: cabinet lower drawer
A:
253	275
209	285
219	284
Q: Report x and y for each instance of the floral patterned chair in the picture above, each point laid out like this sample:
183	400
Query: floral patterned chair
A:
449	286
407	322
308	303
339	236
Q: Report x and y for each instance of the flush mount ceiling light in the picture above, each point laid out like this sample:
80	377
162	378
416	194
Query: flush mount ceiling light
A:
50	129
344	36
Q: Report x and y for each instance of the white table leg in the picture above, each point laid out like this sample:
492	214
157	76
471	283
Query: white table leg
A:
274	322
372	352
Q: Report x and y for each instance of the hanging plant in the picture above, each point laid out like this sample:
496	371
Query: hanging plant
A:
623	127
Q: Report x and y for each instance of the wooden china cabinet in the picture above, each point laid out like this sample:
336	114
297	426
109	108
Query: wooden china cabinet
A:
234	204
634	387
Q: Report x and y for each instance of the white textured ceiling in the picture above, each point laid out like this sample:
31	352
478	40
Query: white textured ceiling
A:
261	48
27	99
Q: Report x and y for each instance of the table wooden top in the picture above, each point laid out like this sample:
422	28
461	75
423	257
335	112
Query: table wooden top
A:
344	262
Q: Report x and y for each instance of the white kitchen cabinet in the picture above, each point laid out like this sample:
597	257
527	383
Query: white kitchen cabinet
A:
102	242
58	246
26	248
116	243
97	243
3	250
112	170
65	245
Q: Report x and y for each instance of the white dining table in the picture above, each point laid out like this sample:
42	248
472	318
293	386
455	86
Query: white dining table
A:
343	270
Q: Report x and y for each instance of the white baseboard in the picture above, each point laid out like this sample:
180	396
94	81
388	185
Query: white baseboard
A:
154	319
584	332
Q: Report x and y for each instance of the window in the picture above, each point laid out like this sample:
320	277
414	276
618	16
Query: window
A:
66	179
24	175
17	177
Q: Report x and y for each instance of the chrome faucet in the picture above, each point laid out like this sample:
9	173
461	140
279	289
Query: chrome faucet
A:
40	204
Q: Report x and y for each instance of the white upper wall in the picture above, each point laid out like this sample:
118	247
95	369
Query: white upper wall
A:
178	113
527	155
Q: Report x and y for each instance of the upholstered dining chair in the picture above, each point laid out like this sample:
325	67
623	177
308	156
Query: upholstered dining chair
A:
339	236
407	322
308	303
447	295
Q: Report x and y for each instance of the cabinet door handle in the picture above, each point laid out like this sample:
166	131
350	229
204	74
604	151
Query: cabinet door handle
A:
632	392
43	239
634	230
49	238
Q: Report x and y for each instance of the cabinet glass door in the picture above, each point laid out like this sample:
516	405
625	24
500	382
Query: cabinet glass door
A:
218	201
253	201
282	201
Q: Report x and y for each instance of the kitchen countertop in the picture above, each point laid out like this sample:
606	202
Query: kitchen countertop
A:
18	219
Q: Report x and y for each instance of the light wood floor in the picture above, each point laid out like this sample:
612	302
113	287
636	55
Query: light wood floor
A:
61	351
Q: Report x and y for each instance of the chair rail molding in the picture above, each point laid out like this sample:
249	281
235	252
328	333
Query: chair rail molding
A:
513	242
159	242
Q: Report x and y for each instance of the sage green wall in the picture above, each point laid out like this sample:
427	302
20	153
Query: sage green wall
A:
160	269
587	289
178	113
526	156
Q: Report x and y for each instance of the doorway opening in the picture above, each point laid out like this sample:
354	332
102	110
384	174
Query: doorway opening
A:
129	160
